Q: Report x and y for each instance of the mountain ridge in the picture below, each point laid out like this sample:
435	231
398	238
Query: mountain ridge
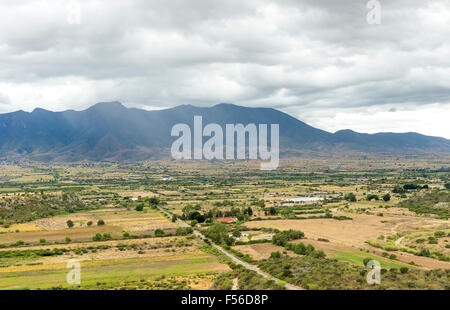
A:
111	131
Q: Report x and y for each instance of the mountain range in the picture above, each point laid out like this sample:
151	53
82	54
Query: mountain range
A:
110	131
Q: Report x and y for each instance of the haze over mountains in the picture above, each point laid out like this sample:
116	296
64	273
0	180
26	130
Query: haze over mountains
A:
110	131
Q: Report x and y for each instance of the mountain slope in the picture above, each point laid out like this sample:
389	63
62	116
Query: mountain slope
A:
110	131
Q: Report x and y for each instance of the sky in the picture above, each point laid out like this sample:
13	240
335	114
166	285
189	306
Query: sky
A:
332	64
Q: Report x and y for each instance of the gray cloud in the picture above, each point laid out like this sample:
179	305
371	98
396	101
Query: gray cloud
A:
313	59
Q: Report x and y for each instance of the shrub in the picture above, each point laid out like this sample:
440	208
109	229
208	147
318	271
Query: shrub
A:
89	223
154	201
404	270
100	223
350	197
97	237
275	255
159	232
282	237
182	231
439	234
372	196
70	223
366	261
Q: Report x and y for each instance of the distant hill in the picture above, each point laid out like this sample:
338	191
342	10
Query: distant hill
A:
110	131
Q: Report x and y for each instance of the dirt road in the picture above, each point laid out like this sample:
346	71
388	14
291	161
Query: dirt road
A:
232	257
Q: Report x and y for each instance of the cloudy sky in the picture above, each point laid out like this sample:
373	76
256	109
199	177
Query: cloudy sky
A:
320	61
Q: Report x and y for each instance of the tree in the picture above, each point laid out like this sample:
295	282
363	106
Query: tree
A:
70	223
183	231
217	233
194	222
410	186
236	233
248	211
174	218
140	207
187	210
350	197
447	185
197	216
100	223
154	201
97	237
372	196
404	269
275	255
89	223
398	190
387	197
159	232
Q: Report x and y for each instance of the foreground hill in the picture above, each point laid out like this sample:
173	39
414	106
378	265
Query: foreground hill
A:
110	131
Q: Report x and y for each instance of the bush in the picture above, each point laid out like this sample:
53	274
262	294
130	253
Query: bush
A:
439	234
70	223
154	201
372	196
282	237
100	223
182	231
97	237
159	232
89	223
404	270
140	207
275	255
387	197
398	190
350	197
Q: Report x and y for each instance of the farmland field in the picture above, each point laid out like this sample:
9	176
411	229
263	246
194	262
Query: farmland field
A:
127	225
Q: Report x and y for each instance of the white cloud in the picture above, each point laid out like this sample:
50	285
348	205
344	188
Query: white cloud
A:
317	60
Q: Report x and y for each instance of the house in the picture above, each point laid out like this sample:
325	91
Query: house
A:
134	199
226	220
238	238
